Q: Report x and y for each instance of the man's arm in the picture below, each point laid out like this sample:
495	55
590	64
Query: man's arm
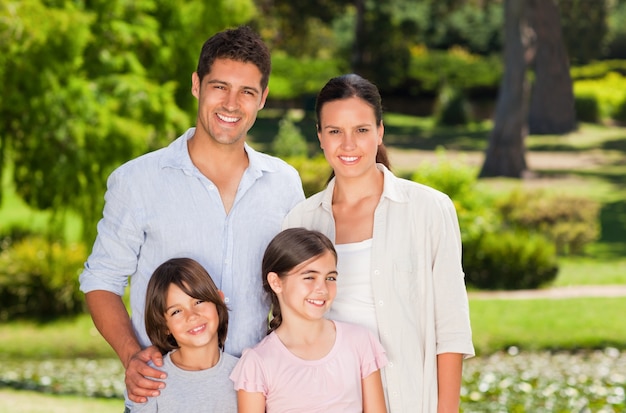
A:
112	321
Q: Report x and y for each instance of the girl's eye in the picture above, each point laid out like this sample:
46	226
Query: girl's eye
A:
199	302
174	312
331	278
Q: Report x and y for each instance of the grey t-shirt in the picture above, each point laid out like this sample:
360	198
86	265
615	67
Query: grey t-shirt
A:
209	391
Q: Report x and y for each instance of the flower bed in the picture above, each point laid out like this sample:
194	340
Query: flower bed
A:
589	381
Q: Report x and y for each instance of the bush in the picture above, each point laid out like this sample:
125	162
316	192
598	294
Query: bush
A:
289	142
571	222
620	113
314	172
452	108
474	207
39	279
609	91
431	69
587	108
509	260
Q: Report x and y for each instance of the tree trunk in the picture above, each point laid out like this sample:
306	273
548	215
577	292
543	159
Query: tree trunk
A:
505	154
552	97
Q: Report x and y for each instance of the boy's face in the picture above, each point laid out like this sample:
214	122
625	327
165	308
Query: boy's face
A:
229	98
191	321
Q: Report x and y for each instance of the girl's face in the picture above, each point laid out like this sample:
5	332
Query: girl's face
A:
191	321
349	135
309	289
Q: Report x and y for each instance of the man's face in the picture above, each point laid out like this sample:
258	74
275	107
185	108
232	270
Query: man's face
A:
229	99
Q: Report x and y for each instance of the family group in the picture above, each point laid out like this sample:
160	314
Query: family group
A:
247	297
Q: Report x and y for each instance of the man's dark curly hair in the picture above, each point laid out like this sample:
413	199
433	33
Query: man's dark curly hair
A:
241	44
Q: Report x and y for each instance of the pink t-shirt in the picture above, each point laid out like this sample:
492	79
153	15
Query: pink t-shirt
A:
330	384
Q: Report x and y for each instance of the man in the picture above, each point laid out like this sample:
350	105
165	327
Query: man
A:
207	196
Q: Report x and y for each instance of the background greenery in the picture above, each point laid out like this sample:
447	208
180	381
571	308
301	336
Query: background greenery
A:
87	85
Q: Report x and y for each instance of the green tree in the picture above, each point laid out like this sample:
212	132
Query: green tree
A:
88	85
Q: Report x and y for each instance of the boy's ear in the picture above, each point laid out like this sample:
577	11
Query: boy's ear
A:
274	281
221	294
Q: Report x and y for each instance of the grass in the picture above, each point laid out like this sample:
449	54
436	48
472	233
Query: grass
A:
35	402
540	324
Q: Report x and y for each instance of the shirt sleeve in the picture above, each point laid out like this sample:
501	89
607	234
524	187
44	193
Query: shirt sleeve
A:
249	373
374	356
452	319
117	245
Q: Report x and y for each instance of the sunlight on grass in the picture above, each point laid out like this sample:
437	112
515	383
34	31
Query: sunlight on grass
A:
33	402
62	338
590	271
548	323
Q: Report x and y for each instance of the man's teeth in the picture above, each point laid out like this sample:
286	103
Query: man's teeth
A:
227	118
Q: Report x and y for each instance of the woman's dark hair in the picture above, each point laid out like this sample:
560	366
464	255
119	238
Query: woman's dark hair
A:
241	44
286	251
188	275
353	86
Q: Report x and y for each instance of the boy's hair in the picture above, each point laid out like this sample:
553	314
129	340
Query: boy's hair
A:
241	44
188	275
286	251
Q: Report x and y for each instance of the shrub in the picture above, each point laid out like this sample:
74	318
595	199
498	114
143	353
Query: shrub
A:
620	112
587	108
509	260
430	69
39	279
452	108
571	222
474	207
289	141
609	91
314	172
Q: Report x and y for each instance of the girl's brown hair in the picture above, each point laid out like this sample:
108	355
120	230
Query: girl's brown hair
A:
286	251
188	275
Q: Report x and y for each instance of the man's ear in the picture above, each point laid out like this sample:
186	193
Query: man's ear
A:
275	282
195	85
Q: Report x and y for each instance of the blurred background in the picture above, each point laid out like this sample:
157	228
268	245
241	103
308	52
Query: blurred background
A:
514	108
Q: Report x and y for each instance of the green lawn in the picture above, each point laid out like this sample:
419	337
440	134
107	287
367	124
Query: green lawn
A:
22	401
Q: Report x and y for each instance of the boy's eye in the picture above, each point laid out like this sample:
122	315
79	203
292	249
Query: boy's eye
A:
174	312
331	278
199	302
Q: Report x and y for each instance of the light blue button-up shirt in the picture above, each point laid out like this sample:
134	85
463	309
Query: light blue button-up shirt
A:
159	206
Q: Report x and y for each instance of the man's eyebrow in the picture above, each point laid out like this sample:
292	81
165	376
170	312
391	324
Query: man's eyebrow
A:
221	82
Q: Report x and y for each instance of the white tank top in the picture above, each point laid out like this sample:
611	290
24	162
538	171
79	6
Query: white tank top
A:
354	302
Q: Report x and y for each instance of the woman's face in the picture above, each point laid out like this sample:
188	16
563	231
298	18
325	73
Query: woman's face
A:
349	135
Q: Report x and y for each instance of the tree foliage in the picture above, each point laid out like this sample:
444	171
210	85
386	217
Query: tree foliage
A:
88	85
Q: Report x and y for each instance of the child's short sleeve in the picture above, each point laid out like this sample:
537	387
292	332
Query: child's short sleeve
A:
373	355
249	373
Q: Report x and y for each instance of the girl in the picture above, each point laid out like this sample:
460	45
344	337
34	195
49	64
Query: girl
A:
399	249
308	363
187	320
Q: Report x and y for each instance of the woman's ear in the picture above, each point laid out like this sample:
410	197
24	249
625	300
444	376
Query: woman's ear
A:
221	293
274	282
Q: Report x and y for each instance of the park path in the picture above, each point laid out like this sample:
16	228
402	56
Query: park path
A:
553	293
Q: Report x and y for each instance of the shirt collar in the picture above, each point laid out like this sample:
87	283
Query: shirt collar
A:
177	157
391	189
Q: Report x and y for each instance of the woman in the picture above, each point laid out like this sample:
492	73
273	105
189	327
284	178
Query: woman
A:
399	253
